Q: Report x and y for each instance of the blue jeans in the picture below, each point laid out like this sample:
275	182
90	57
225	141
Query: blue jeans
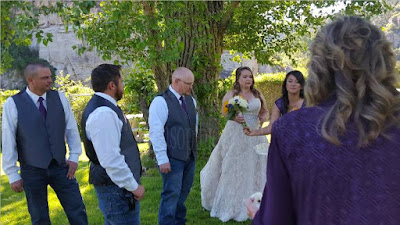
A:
35	181
176	188
114	203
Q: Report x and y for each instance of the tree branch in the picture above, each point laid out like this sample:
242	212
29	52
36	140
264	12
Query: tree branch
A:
228	15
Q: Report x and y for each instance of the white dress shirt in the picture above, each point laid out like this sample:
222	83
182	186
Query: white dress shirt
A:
103	128
9	129
158	115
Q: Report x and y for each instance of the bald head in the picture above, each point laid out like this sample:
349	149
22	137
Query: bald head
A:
182	73
182	80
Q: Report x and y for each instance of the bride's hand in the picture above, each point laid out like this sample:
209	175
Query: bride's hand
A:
248	131
239	119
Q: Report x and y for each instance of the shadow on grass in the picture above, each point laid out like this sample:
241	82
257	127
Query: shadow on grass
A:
14	210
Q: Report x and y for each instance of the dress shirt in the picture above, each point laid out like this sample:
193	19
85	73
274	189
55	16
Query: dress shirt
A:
9	125
158	115
103	128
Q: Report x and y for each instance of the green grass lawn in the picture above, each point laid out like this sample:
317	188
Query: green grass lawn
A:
14	209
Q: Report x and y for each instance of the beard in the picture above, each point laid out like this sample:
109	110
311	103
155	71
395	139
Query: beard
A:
119	94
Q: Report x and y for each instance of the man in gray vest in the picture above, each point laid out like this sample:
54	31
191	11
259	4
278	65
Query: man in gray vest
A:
115	167
173	132
36	122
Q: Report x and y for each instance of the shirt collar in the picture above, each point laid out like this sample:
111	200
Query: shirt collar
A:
177	95
107	97
34	96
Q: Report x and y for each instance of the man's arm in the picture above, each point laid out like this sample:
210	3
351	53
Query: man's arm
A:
71	131
158	115
197	116
9	144
103	128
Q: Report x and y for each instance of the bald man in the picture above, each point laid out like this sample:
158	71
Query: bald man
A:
173	132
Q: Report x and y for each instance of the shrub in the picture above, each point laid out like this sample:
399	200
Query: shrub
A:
4	94
270	85
77	94
204	148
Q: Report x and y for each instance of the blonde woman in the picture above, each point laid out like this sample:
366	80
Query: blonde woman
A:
337	161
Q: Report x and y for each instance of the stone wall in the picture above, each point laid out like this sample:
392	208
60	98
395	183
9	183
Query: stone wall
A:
60	54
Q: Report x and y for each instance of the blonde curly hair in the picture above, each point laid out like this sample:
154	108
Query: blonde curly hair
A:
351	59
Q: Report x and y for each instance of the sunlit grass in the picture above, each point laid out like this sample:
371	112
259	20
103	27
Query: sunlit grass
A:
14	210
143	148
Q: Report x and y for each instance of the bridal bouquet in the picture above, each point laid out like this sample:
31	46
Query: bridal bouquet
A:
236	106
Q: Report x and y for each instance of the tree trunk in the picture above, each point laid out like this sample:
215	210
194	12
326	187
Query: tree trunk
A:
207	64
159	68
205	25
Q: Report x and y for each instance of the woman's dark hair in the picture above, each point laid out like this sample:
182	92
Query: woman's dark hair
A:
103	74
236	85
285	95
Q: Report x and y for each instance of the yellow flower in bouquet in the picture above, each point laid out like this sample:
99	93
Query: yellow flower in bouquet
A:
235	106
225	107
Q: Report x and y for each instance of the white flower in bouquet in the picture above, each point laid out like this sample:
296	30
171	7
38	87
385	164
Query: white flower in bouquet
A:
234	100
243	103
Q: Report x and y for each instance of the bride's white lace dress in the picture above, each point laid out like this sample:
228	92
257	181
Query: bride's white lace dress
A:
234	171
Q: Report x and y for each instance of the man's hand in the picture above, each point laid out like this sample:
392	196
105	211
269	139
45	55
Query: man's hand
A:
17	186
165	168
71	169
138	193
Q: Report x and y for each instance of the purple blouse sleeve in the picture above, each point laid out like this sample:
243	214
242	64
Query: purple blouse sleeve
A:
277	205
281	106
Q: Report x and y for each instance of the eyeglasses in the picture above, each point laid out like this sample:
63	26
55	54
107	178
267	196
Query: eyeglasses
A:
190	84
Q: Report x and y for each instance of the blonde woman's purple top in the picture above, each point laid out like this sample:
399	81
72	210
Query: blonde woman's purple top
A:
313	182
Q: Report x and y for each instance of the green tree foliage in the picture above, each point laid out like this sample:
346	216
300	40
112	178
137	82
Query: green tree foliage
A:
163	35
77	93
140	86
19	23
21	56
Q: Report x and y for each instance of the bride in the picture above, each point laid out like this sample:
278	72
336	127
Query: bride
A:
234	170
